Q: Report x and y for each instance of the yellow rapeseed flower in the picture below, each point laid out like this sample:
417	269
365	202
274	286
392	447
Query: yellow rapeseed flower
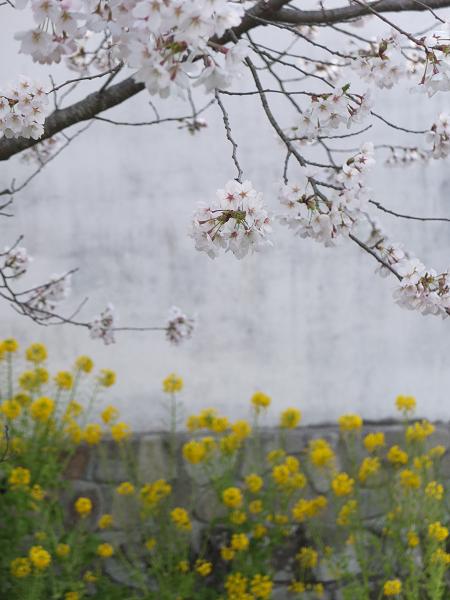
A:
84	363
153	493
64	380
92	434
20	567
10	345
418	432
180	518
413	539
37	493
19	477
105	521
290	418
62	550
232	497
107	378
410	480
261	586
109	414
120	432
172	383
373	441
226	553
405	404
72	596
36	353
342	484
350	422
150	544
241	428
307	509
397	456
11	409
39	557
194	452
346	513
307	557
254	483
369	466
437	531
83	506
320	453
260	401
239	542
393	587
125	489
434	490
105	550
42	409
203	567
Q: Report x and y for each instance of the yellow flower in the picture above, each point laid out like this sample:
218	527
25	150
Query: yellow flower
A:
22	398
206	418
259	531
181	519
62	550
260	401
193	423
238	517
125	489
105	550
318	589
405	404
11	409
72	596
437	531
236	585
393	587
410	480
36	353
183	566
90	577
435	490
150	544
239	542
255	507
307	557
64	380
261	586
369	466
20	568
105	521
232	497
74	409
320	453
422	463
305	509
229	444
440	556
350	422
84	363
297	587
41	375
290	418
110	414
19	477
42	409
254	483
413	539
172	384
74	432
203	567
373	441
10	345
342	484
219	424
120	432
39	557
346	513
37	493
83	506
194	452
275	455
437	451
40	536
153	493
397	456
28	380
419	431
242	429
226	553
107	378
92	434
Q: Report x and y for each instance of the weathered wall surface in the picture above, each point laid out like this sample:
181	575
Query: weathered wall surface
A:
313	327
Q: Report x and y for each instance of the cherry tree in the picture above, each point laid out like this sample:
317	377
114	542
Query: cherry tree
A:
186	49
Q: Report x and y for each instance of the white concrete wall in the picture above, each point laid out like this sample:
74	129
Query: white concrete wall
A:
313	327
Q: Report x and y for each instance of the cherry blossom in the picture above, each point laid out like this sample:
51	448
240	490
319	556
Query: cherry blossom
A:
179	326
22	109
236	221
15	261
102	326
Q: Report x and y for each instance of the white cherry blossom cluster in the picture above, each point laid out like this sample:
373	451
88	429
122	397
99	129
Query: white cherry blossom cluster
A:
439	137
404	157
22	109
102	326
167	42
45	298
327	218
236	221
328	112
382	64
15	261
179	326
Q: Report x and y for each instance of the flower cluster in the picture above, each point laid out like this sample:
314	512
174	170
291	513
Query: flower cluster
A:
179	326
327	219
22	109
15	261
102	327
236	221
166	42
439	137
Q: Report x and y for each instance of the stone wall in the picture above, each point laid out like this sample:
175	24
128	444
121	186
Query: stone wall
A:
96	472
